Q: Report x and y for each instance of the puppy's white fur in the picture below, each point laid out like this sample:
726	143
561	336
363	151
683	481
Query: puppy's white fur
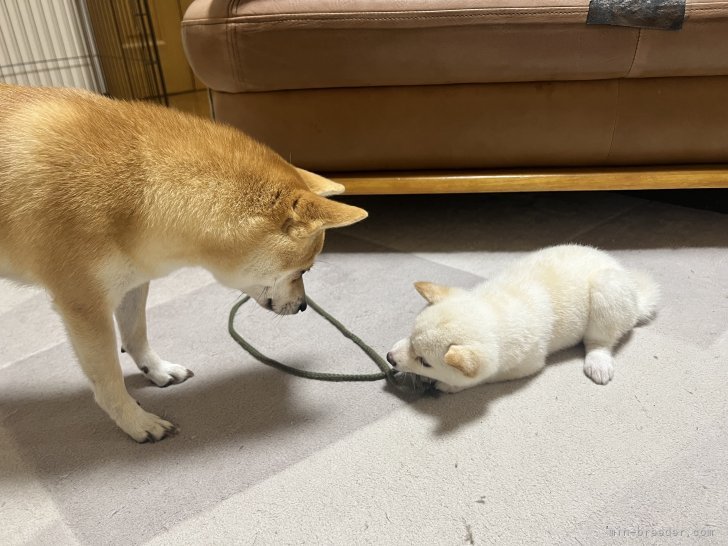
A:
505	328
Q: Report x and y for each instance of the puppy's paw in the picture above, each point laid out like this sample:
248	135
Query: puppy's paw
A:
165	373
444	387
145	427
599	367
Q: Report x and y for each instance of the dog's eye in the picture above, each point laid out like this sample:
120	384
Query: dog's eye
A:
299	275
423	362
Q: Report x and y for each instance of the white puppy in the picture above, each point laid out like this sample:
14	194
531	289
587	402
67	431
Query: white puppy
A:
505	328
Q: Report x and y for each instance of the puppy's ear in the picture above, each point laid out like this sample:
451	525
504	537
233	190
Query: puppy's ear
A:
310	214
320	185
463	359
432	292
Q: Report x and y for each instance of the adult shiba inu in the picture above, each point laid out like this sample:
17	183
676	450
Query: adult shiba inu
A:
504	328
98	197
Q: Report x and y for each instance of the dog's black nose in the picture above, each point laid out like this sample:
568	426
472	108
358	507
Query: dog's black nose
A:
303	306
269	304
391	360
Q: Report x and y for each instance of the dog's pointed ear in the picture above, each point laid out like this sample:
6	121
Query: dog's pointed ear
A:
320	185
432	292
462	358
310	214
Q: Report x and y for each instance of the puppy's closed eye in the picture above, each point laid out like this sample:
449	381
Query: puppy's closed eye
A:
423	362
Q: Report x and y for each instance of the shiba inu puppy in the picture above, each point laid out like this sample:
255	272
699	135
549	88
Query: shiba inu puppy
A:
98	197
505	328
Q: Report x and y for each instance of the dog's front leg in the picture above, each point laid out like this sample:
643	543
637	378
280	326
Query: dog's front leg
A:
91	329
444	387
132	319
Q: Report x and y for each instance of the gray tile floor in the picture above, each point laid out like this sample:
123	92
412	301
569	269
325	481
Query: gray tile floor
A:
268	459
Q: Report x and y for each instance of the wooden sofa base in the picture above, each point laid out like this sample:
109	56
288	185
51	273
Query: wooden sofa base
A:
621	178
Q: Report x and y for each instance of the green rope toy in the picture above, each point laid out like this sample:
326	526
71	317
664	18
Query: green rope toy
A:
398	379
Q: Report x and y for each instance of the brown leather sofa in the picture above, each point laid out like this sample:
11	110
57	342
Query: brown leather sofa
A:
526	91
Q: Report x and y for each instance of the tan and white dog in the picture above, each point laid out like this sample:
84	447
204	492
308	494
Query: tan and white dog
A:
505	328
98	197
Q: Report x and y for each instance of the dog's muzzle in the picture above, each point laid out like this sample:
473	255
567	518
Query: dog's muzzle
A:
288	309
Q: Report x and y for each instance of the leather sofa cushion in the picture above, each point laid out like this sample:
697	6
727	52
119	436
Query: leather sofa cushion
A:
265	45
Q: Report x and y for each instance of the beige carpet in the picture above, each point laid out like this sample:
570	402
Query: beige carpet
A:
264	458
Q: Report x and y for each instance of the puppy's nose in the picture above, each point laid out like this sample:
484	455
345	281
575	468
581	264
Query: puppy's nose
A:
303	306
390	359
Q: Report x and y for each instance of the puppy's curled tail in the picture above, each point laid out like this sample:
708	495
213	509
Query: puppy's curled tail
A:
648	296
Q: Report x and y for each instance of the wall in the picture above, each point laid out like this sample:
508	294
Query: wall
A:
46	43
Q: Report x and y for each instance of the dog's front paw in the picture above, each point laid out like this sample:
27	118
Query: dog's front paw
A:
145	427
165	373
444	387
599	367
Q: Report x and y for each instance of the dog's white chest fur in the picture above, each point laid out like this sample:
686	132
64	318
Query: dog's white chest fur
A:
506	327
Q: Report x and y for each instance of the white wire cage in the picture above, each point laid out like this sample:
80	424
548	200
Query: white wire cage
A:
106	46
